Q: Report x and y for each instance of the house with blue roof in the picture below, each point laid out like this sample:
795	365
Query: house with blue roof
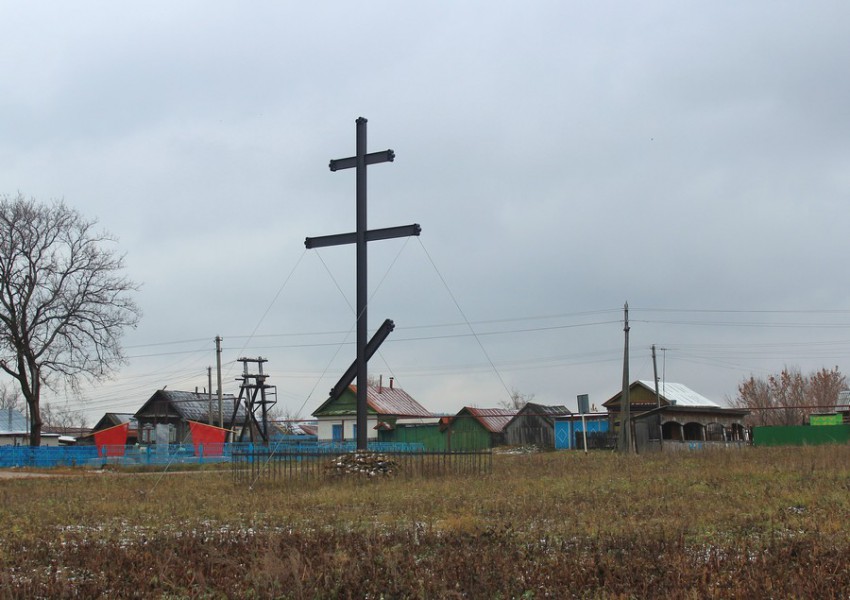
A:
15	431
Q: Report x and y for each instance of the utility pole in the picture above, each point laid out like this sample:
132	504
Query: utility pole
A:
625	438
218	370
209	396
655	375
657	397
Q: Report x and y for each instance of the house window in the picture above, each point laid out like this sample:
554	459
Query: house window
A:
354	431
147	434
336	433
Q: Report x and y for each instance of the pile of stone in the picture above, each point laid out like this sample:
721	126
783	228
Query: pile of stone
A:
362	464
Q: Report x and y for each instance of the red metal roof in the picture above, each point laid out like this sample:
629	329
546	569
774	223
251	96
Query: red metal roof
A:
392	401
493	419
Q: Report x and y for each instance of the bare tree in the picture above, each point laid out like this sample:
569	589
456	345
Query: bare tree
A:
788	397
10	398
825	386
62	418
64	303
517	400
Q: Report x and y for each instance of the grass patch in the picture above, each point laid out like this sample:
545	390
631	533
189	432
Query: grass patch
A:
751	523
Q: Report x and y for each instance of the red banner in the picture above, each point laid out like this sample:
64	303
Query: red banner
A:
209	436
112	441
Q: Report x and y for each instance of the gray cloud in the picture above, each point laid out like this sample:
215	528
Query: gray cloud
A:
562	159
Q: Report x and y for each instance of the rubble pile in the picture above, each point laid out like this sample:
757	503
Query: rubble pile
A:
362	464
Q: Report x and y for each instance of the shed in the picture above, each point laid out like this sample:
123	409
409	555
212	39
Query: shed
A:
478	428
534	425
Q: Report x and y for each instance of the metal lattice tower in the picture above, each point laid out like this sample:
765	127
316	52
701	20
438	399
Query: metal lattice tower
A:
259	397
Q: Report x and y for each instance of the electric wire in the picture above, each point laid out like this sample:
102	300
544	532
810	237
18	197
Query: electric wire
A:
462	314
272	303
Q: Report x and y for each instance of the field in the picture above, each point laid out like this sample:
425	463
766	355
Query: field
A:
732	524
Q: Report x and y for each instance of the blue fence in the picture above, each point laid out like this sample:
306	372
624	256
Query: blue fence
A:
46	456
164	454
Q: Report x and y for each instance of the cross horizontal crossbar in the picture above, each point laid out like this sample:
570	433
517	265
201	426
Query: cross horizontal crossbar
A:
372	158
372	235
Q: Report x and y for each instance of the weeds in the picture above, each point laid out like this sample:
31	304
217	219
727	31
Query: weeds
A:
755	523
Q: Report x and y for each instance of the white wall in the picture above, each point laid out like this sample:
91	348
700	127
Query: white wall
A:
325	431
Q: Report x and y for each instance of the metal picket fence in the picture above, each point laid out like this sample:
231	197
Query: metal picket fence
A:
267	464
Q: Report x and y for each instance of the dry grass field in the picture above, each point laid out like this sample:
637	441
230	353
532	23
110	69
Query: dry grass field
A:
757	523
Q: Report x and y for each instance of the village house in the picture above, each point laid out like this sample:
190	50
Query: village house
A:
14	430
112	419
676	416
534	425
164	418
387	406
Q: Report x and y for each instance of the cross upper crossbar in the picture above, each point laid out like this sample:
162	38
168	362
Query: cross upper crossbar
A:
373	158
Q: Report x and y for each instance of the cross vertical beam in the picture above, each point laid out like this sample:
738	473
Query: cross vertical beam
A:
362	289
360	237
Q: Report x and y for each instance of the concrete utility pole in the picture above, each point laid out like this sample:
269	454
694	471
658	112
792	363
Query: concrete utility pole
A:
209	396
657	396
218	369
625	438
360	237
655	375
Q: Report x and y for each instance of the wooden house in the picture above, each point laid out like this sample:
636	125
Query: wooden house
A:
478	428
112	419
534	425
164	418
677	415
386	405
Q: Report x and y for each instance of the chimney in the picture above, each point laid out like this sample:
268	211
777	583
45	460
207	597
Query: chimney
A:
391	382
380	383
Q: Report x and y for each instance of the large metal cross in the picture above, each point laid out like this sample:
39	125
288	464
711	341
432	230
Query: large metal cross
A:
360	237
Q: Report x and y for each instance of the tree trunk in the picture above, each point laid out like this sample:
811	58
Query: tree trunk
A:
35	423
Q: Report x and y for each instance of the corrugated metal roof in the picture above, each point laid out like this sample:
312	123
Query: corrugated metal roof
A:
493	419
195	406
542	409
12	422
392	401
308	429
679	395
122	418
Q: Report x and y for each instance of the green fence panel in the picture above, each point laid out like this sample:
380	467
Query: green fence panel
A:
801	435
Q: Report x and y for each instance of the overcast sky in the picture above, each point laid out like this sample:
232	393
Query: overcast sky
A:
563	158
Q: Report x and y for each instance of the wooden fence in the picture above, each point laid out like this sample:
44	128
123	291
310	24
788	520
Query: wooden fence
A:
263	464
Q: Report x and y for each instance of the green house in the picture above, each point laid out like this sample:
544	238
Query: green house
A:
478	428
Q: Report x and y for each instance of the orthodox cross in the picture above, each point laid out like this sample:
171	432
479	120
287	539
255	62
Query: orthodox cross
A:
360	237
